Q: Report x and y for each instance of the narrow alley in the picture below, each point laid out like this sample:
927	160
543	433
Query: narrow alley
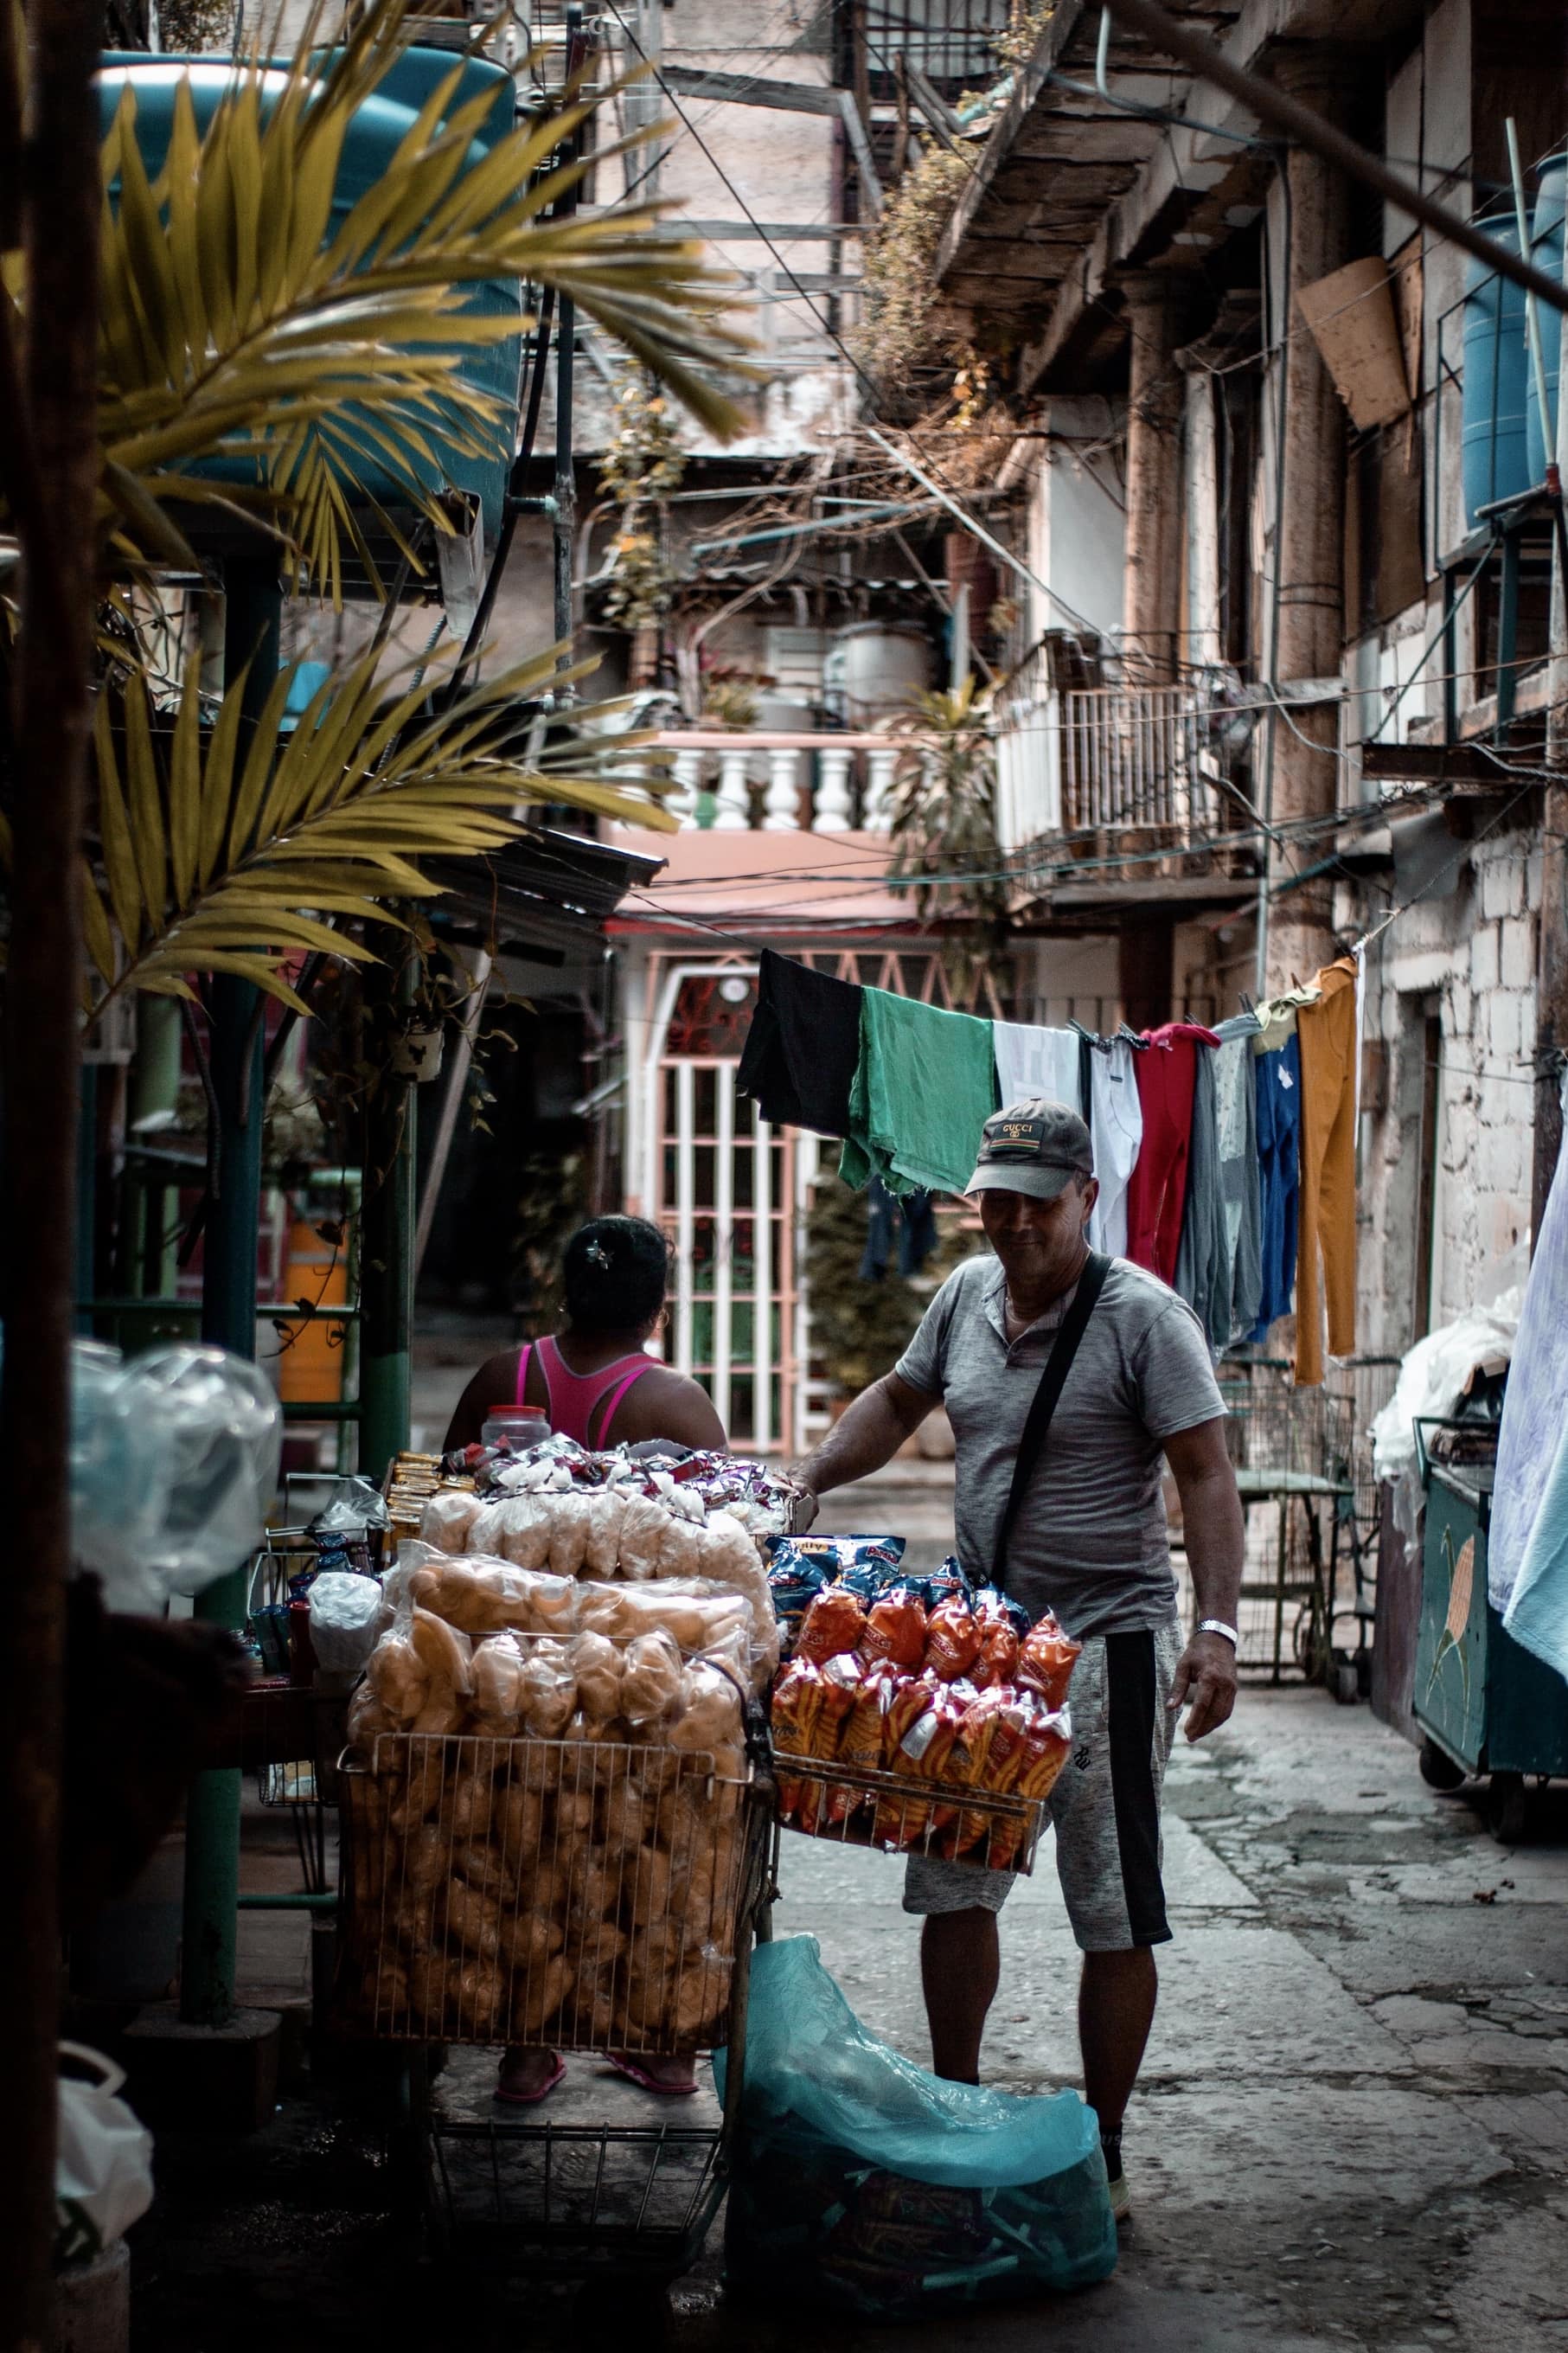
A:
1352	2127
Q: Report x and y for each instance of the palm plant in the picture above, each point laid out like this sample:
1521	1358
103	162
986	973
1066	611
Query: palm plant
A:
262	362
241	323
943	824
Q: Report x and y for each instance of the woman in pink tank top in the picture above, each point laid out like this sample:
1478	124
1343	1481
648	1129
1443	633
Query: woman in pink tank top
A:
594	1379
597	1384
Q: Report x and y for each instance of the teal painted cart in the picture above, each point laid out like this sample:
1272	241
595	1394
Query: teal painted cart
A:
1485	1705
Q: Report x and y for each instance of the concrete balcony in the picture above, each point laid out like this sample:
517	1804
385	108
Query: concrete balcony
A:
770	783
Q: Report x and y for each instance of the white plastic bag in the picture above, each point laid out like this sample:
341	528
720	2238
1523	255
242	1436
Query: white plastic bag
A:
103	2165
345	1619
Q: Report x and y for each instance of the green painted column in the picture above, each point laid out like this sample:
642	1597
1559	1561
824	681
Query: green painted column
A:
251	634
386	1223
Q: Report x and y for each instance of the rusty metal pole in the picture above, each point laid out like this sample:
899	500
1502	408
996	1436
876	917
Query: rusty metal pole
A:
1156	393
1309	547
51	427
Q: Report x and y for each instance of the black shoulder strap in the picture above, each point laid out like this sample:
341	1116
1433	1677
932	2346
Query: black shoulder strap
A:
1043	1404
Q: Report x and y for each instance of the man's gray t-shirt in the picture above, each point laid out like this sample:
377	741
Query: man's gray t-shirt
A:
1090	1540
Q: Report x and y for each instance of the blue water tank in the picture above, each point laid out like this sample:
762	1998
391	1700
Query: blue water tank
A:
1494	462
380	124
1546	252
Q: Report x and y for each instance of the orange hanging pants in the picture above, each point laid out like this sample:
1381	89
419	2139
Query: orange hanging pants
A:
1327	1034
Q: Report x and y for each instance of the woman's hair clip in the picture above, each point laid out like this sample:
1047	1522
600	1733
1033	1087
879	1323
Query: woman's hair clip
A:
597	1255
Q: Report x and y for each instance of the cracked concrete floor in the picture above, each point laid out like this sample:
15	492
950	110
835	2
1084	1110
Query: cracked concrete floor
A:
1353	2128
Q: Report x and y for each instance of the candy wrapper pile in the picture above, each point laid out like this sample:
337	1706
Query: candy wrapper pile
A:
693	1486
940	1687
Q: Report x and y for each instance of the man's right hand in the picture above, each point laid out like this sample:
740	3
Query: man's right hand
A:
804	1507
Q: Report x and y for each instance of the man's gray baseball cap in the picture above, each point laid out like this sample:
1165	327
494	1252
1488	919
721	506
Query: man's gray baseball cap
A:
1035	1147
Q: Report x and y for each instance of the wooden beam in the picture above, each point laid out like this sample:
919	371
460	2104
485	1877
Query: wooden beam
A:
750	90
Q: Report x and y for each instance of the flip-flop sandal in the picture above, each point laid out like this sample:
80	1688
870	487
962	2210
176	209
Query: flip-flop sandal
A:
646	2083
531	2099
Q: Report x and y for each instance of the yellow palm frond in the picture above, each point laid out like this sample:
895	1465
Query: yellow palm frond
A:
316	352
212	856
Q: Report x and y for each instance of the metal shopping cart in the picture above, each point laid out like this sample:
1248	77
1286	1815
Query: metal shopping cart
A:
592	1895
1292	1449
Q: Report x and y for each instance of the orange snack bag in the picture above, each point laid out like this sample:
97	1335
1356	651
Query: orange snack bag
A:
952	1640
862	1741
797	1702
996	1660
896	1630
1045	1661
834	1622
843	1681
920	1756
1044	1749
987	1753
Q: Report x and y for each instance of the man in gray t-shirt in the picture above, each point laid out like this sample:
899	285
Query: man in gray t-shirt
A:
1088	1541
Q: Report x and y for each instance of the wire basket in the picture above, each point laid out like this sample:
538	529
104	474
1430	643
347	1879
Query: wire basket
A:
586	1894
952	1821
1275	1431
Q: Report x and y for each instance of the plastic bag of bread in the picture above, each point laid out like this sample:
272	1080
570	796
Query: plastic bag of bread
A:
368	1719
474	1919
396	1673
896	1628
448	1517
728	1557
641	1537
707	1714
517	1826
537	1998
601	1547
1045	1661
569	1524
548	1692
680	1547
593	1892
517	1529
834	1622
469	1805
595	1664
653	1679
446	1654
952	1640
699	1616
479	2000
497	1670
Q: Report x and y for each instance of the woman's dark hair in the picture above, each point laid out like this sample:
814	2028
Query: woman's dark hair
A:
615	1273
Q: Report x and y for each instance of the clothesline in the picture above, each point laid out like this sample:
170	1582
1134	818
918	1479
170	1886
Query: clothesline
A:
1226	1159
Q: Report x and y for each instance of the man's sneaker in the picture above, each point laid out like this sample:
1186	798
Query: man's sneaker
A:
1116	2181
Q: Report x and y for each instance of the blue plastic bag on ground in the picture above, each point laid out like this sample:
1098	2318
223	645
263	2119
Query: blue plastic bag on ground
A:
862	2181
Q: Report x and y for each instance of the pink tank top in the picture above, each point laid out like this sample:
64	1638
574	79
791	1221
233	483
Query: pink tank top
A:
574	1398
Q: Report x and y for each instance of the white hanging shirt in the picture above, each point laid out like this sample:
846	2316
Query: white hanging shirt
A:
1034	1062
1116	1125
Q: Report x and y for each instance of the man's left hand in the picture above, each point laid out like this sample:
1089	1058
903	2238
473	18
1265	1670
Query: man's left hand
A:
1205	1676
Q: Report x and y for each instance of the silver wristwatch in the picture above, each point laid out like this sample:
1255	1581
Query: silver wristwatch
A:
1218	1626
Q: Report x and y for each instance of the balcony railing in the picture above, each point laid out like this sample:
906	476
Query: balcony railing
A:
774	783
1108	761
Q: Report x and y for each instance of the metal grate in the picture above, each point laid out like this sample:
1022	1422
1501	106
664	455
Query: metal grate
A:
949	1821
1129	756
585	1892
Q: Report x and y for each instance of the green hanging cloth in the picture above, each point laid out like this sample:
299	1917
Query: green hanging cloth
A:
924	1087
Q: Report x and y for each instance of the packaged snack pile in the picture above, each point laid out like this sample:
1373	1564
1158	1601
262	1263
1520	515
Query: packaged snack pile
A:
694	1485
934	1685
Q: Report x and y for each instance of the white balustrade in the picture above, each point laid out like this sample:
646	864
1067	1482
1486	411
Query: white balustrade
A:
781	804
833	805
880	767
682	801
733	802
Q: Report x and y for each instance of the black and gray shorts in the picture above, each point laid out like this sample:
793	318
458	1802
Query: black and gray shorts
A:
1105	1806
